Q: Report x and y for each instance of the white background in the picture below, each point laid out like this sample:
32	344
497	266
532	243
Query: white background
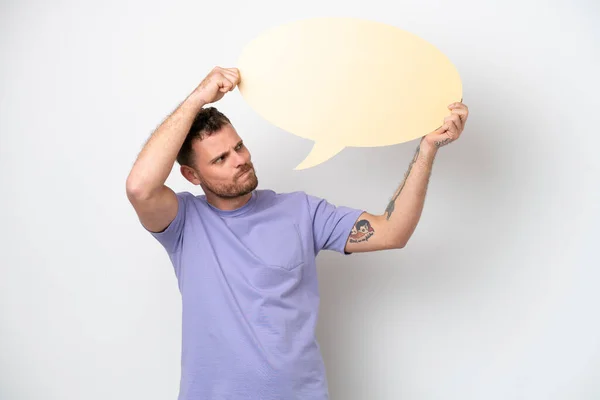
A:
495	296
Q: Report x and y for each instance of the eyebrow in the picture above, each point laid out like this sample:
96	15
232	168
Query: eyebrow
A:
225	153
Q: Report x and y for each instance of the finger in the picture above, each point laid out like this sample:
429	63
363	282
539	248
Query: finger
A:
462	113
457	105
234	71
454	118
234	81
455	130
457	121
460	109
229	76
225	85
440	130
452	129
233	74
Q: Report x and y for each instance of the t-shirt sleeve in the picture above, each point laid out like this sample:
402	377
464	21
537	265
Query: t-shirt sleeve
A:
331	224
172	236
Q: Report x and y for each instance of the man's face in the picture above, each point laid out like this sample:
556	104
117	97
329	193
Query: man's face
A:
223	164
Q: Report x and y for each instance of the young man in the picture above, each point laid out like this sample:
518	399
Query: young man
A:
245	258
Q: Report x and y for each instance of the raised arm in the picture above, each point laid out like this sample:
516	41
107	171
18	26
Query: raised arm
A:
156	204
393	229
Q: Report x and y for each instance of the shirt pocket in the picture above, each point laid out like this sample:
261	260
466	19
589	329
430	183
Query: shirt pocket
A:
281	247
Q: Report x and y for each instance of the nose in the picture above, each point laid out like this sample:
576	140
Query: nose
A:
239	159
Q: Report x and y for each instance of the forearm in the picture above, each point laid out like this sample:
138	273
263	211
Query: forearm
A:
154	163
404	210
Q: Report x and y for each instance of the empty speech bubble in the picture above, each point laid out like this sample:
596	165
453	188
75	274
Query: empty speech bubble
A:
347	82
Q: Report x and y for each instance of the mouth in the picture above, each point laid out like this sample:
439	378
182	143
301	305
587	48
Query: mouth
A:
245	173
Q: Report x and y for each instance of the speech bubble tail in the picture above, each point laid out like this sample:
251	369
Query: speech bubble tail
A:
320	153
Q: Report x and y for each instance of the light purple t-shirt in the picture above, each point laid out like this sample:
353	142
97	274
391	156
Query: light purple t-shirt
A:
250	300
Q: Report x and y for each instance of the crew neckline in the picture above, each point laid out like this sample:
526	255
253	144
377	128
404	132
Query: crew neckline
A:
238	211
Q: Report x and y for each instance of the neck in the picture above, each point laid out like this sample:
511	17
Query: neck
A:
227	204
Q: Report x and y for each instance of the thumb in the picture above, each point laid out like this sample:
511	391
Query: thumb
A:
441	130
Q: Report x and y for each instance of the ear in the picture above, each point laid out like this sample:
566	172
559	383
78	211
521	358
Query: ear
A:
190	174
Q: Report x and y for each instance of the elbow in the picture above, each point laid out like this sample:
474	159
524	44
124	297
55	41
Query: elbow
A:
396	244
400	242
402	236
136	190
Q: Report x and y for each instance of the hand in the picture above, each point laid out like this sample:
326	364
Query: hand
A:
452	127
218	82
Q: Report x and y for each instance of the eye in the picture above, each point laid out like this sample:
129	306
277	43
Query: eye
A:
239	146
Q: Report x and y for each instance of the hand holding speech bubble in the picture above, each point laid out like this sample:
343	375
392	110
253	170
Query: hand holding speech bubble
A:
347	82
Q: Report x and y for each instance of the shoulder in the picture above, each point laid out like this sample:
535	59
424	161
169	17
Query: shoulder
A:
188	200
190	197
282	197
298	197
272	200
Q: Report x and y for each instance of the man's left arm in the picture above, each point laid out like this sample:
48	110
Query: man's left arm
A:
393	229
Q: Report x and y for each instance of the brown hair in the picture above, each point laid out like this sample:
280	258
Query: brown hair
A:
208	121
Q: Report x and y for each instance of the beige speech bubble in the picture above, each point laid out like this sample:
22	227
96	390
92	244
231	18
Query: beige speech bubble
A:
347	82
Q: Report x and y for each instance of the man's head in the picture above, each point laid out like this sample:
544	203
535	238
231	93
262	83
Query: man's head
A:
364	226
214	156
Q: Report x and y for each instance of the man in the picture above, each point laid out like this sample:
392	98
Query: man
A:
245	258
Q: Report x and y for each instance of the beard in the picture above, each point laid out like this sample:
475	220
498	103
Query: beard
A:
241	185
